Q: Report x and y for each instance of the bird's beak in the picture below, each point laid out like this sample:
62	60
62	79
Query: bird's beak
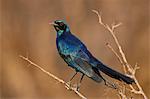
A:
52	23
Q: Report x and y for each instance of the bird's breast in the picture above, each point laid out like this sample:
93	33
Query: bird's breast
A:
65	48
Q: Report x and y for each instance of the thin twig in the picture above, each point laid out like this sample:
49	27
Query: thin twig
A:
111	30
121	92
123	58
116	54
54	77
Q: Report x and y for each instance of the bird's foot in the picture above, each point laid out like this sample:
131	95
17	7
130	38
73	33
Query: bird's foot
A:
114	86
69	83
76	86
111	85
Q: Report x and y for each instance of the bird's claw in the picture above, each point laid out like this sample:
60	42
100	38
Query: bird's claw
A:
76	86
114	86
111	85
69	83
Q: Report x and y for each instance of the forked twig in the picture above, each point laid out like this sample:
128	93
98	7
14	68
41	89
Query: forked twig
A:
54	77
122	59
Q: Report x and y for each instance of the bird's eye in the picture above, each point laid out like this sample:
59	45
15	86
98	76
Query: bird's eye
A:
61	24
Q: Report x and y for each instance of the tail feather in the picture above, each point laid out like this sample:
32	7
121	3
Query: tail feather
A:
114	74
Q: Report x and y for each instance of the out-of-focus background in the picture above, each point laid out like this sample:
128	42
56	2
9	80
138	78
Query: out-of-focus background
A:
25	29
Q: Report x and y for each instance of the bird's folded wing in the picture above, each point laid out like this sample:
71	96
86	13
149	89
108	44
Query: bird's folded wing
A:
83	63
87	69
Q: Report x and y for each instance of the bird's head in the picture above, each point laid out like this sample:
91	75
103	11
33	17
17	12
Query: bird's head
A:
60	26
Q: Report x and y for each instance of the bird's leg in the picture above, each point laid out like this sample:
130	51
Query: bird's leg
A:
69	82
78	86
72	77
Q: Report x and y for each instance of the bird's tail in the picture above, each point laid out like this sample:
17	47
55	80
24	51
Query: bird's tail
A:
114	74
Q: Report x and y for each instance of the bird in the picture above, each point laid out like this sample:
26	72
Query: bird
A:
74	52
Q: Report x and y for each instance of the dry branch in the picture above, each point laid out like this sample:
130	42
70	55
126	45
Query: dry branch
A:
67	85
122	58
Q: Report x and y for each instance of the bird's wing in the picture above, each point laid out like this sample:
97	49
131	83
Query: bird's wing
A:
83	61
84	66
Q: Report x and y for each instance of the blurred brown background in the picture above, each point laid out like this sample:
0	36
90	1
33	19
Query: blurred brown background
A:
25	29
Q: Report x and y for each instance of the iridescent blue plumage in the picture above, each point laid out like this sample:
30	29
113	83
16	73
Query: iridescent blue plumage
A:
72	50
76	55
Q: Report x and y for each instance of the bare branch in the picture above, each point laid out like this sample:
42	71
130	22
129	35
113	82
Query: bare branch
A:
116	54
111	30
122	59
99	17
121	92
115	26
54	77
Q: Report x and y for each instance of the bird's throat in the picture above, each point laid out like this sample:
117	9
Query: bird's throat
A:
59	33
